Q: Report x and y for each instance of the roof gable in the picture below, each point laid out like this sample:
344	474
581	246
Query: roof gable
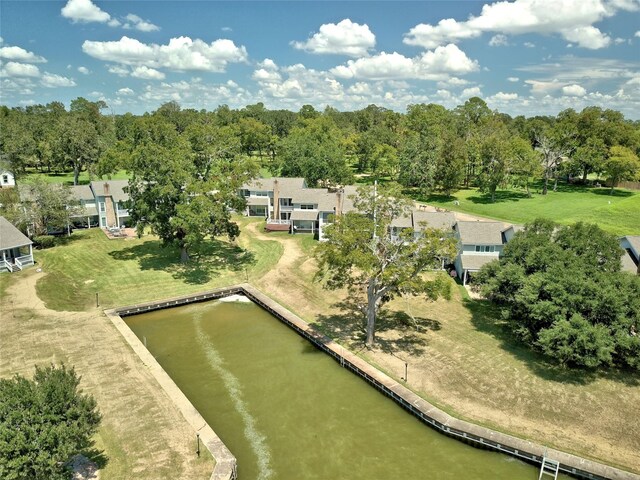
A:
480	233
10	236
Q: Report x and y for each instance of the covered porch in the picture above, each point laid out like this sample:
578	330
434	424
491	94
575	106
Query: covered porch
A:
16	250
304	221
470	264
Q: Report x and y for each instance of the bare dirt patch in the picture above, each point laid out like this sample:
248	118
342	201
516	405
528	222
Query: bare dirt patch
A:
142	434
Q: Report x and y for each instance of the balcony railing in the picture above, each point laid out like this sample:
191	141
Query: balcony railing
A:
5	265
279	222
123	213
24	260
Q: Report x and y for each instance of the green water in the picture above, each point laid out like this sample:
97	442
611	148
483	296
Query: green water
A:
289	412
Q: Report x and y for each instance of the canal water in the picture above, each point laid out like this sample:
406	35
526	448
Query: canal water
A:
287	411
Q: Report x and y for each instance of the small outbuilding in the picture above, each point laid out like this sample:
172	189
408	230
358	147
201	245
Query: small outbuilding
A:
6	178
16	250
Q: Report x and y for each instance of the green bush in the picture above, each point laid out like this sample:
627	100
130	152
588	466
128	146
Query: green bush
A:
44	423
44	241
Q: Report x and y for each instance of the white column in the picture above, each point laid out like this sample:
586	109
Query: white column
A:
464	277
31	251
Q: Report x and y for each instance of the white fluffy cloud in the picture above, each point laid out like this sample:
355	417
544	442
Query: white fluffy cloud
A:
125	91
343	38
181	54
513	79
571	19
84	70
135	22
19	54
431	65
381	66
499	40
503	97
51	80
147	73
574	90
17	69
84	11
471	92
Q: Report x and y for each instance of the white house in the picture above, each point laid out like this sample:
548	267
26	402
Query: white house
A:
7	179
111	202
478	244
16	250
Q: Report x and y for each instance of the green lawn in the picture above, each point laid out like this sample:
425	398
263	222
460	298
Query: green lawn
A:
67	177
618	213
135	270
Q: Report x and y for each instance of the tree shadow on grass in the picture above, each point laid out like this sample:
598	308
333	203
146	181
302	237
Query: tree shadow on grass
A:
395	330
501	197
206	262
485	316
97	456
606	192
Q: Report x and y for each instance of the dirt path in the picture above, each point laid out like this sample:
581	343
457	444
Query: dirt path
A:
142	433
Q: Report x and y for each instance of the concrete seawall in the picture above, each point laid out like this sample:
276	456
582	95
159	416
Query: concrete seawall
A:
429	414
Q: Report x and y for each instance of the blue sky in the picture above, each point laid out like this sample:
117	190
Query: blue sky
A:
523	57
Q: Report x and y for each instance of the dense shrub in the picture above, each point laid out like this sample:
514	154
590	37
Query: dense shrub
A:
44	241
44	423
562	291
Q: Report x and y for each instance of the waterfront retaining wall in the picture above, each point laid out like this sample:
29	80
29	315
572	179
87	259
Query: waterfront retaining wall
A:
429	414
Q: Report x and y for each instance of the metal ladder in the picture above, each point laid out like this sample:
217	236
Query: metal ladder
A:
549	467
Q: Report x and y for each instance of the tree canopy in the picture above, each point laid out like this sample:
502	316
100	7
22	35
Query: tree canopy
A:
362	254
562	292
44	423
185	186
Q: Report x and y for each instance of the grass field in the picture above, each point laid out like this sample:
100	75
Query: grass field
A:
460	358
133	270
618	213
67	177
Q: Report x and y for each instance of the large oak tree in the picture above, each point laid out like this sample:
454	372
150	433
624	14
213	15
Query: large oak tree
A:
361	254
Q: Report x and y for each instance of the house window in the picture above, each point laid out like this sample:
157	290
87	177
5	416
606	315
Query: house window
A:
5	178
103	207
306	206
286	202
260	194
485	248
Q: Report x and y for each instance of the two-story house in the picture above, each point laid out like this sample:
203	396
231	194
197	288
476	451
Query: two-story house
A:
478	244
111	202
88	214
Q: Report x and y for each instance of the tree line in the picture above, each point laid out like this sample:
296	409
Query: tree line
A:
429	148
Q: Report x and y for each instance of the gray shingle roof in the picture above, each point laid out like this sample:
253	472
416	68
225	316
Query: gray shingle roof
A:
10	236
304	215
475	262
258	201
82	192
480	233
115	189
628	265
404	221
634	241
439	220
287	185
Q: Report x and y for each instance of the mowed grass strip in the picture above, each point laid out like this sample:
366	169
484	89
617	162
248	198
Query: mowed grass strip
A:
129	271
67	177
142	435
618	213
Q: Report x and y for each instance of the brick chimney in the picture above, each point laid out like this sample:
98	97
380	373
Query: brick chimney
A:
339	195
106	189
276	199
